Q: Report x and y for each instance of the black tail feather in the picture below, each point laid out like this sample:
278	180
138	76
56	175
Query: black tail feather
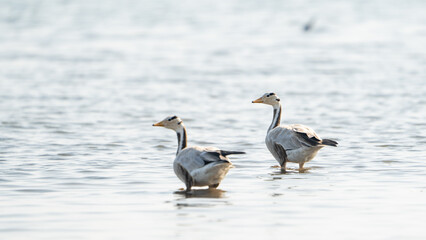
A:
329	142
224	153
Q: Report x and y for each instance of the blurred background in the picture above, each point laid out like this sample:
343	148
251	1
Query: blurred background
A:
81	83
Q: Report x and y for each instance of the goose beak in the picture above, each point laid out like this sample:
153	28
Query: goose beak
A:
159	124
259	100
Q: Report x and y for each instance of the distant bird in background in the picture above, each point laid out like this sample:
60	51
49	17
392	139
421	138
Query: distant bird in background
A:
197	166
309	25
290	143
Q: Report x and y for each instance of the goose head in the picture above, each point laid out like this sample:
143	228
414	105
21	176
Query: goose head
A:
170	122
268	98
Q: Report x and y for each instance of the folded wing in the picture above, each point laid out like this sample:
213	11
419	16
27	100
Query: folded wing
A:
294	136
196	158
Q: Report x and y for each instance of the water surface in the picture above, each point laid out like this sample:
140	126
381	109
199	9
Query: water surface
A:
81	83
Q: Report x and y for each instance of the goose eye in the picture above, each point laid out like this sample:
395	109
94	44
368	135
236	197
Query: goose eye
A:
267	95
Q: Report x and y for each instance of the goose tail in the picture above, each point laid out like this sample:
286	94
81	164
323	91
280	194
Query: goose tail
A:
225	153
329	142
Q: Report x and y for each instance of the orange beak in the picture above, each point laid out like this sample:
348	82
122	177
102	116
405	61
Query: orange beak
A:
259	100
159	124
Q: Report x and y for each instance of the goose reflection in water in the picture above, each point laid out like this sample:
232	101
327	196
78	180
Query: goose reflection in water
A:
199	198
202	193
280	171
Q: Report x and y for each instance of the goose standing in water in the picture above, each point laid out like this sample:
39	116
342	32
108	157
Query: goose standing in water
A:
291	143
197	166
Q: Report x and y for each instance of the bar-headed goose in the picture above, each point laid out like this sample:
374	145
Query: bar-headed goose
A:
197	166
291	143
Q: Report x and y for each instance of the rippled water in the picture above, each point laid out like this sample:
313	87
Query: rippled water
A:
81	82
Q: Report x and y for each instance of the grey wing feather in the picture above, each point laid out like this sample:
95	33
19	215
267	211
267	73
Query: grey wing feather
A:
307	141
189	181
302	129
281	154
193	159
213	157
294	136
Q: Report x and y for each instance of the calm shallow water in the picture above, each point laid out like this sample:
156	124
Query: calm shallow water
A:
82	82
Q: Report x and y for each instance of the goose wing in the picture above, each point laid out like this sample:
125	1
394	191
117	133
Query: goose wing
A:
184	175
294	136
198	157
306	135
